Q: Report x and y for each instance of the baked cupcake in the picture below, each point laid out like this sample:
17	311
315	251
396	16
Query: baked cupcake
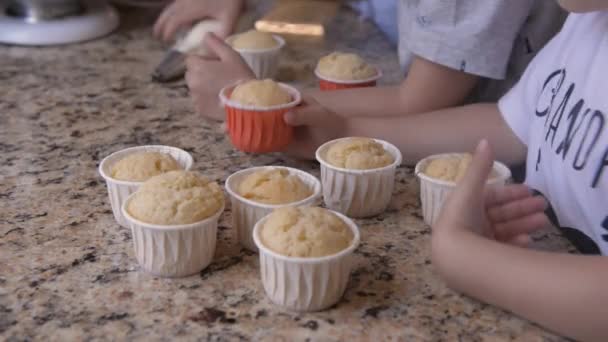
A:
305	256
345	70
256	192
260	50
358	175
254	114
173	218
125	170
440	173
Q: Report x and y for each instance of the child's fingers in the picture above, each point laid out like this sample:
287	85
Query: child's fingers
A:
161	22
523	240
310	113
517	208
497	195
476	176
524	225
220	48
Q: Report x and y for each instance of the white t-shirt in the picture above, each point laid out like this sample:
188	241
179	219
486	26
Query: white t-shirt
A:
559	109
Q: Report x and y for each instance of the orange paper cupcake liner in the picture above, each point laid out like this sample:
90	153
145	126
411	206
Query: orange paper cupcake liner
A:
259	130
327	84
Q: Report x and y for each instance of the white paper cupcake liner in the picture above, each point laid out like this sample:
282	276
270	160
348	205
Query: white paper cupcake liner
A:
119	190
306	284
246	213
176	250
263	62
433	192
358	193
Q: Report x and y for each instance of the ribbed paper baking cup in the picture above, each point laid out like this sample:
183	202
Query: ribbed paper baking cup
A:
255	129
434	192
246	213
306	284
327	83
173	250
358	193
263	62
119	190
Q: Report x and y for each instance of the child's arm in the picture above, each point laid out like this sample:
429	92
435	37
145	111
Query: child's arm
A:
417	136
428	86
563	292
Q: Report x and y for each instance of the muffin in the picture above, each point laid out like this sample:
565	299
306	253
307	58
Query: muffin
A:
254	40
345	70
256	192
260	93
358	175
125	170
138	167
358	154
173	218
260	50
305	232
254	114
274	186
176	198
451	168
439	174
305	256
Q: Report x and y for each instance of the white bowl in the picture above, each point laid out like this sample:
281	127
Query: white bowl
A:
263	62
119	190
434	192
173	250
246	213
358	193
306	284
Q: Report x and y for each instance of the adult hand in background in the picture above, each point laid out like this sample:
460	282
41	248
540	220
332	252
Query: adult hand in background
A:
181	14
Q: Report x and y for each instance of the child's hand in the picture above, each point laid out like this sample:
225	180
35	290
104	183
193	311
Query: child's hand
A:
206	77
314	125
514	212
183	13
508	214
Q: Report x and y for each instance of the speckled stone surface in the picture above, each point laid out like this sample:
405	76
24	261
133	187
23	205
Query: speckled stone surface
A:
67	270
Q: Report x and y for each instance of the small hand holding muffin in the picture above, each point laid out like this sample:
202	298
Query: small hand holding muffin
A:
358	175
206	77
173	218
254	111
345	70
314	125
305	256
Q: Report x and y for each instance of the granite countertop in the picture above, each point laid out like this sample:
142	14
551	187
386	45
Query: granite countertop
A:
67	270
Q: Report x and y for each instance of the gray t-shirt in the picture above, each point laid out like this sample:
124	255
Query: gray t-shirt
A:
494	39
